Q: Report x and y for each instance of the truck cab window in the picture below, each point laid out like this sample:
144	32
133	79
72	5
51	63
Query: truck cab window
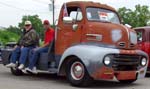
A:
75	13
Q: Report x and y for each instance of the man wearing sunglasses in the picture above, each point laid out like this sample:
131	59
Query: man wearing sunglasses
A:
28	41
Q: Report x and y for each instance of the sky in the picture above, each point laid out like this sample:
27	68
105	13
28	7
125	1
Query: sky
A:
11	11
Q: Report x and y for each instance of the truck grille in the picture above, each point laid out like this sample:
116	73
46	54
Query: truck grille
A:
126	62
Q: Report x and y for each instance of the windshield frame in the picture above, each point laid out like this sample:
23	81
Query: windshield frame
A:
102	20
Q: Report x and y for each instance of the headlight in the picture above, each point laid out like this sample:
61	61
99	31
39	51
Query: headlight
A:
107	60
116	35
143	61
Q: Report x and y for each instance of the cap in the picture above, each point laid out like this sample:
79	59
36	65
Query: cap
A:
28	23
46	22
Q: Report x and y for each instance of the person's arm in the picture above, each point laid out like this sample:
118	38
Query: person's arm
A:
45	45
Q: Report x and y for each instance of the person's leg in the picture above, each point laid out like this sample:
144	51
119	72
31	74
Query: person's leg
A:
24	55
35	56
14	57
31	54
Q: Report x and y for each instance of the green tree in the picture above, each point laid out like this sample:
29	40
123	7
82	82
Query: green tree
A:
7	36
36	23
136	18
14	29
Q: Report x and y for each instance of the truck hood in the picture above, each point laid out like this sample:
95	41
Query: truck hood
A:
112	34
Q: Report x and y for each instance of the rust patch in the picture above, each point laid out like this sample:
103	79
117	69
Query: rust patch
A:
125	75
103	73
128	52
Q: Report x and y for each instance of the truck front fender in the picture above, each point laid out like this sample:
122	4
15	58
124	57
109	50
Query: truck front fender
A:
91	57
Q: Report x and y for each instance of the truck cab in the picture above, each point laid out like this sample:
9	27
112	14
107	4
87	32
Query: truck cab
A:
144	41
91	44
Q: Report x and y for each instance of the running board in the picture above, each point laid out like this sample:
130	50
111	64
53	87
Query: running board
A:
53	70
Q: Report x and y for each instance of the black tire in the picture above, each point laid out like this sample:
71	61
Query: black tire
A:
127	81
84	81
16	72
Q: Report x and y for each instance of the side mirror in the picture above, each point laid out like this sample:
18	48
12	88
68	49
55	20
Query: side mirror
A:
67	20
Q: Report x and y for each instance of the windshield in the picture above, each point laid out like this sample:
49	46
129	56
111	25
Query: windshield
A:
98	14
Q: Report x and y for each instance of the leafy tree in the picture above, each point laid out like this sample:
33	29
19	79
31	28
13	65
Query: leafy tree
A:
7	36
136	18
36	23
14	29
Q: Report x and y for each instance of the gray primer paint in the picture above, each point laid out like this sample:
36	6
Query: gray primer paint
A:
91	56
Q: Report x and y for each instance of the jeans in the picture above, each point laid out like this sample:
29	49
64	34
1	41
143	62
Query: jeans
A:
21	54
34	55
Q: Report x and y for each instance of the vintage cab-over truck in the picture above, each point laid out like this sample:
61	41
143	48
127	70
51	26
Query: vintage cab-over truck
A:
91	44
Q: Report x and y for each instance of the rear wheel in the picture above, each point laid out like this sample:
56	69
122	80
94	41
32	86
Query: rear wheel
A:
16	72
77	74
127	81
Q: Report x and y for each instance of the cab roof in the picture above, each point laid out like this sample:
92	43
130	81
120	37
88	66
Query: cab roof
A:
90	4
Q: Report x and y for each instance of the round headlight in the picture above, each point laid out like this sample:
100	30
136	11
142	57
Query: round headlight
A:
143	61
107	60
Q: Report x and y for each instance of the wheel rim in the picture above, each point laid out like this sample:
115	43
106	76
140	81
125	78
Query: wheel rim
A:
77	71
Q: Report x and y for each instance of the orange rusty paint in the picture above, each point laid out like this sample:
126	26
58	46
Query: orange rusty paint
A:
125	75
66	37
131	52
109	73
103	73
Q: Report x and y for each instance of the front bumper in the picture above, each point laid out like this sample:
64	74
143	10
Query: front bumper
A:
106	73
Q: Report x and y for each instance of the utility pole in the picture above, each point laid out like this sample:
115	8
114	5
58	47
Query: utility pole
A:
53	12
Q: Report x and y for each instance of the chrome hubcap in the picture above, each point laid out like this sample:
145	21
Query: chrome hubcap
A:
77	71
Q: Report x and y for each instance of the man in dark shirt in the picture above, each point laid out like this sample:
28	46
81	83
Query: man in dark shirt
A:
35	53
28	41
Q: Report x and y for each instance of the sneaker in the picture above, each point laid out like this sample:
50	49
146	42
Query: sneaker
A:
21	67
33	71
11	65
24	71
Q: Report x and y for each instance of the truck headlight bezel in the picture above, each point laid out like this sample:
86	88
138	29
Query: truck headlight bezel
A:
143	61
107	60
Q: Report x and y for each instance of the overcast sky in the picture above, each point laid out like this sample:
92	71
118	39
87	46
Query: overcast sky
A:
11	11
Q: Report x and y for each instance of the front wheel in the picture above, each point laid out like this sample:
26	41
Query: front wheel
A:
77	74
127	81
16	72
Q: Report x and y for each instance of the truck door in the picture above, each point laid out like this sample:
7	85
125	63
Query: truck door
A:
69	34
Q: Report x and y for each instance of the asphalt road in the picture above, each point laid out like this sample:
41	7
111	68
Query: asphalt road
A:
47	81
